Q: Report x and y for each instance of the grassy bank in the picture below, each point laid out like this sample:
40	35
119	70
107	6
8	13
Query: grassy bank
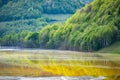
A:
114	48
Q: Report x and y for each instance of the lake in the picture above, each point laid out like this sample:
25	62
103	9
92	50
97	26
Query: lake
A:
36	64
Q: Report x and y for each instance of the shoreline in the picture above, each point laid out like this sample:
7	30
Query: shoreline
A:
51	78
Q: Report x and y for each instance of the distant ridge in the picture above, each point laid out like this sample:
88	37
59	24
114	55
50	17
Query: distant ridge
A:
32	9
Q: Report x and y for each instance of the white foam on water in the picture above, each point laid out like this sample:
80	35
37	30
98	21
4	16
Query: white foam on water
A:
51	78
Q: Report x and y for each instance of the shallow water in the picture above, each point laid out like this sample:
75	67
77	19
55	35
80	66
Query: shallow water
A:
38	62
52	78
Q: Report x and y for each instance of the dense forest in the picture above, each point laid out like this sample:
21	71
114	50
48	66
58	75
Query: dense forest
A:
35	8
91	28
19	15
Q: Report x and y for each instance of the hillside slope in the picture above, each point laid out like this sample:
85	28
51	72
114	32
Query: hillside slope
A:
32	15
91	28
114	48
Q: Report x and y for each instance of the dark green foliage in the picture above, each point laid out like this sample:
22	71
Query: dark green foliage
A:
20	25
20	9
46	36
3	2
61	6
2	31
91	28
32	9
31	40
14	39
19	15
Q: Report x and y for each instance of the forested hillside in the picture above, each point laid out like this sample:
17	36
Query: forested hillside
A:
27	9
91	28
32	15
